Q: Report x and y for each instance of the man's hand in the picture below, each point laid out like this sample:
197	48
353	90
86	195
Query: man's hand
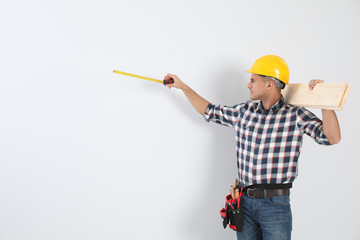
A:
199	103
177	82
313	82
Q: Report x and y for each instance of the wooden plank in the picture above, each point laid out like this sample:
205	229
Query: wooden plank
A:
324	95
335	108
345	97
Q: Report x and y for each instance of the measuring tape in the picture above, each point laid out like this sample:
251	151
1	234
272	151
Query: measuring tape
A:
165	82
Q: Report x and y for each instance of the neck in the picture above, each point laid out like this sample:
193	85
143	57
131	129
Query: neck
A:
270	100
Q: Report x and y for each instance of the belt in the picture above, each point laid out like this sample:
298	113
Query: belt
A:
260	193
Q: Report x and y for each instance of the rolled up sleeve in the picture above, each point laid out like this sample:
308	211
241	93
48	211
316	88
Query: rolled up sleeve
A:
311	125
224	115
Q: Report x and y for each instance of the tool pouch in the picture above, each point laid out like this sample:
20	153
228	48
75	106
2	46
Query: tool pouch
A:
232	214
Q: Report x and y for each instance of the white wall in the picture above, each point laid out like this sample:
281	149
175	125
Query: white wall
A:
88	154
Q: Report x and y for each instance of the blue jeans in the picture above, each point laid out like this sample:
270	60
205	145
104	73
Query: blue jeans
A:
266	218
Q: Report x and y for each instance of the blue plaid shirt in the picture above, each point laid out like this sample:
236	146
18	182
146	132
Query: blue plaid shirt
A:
268	142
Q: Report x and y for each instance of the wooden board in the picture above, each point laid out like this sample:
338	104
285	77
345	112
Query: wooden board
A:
325	95
345	97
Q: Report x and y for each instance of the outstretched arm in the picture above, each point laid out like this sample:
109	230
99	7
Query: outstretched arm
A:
199	103
331	125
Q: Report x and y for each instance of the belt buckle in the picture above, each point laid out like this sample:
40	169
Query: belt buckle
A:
248	192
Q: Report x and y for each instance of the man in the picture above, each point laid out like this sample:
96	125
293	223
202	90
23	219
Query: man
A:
269	138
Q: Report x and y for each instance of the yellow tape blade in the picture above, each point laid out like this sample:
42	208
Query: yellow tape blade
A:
137	76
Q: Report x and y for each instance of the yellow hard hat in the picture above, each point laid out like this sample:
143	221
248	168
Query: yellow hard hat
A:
272	66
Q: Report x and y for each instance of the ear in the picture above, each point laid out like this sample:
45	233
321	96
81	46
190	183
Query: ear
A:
269	84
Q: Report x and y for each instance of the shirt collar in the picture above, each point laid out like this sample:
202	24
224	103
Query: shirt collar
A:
274	107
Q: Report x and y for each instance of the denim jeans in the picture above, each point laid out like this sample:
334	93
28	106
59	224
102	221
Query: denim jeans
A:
266	218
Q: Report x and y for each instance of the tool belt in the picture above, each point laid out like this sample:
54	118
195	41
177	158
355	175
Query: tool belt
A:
232	213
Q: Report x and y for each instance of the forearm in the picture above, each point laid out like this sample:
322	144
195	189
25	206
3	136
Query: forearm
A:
199	103
331	126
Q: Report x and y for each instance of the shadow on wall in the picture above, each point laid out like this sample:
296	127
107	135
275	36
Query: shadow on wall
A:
205	222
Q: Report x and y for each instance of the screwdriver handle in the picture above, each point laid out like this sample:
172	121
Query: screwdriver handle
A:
170	81
235	182
232	192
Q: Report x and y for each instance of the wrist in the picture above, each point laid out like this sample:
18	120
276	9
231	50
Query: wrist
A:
184	87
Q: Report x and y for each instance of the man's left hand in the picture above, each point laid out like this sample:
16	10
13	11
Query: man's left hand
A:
313	82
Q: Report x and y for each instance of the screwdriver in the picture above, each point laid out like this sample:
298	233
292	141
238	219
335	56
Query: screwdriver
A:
165	82
237	194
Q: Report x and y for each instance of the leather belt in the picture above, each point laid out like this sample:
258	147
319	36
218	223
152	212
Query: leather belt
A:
260	193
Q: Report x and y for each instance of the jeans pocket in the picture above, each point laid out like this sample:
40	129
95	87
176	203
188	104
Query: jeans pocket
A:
280	200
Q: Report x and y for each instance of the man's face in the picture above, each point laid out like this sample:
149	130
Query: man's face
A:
257	87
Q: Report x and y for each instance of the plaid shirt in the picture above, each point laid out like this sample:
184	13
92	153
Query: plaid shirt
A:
268	142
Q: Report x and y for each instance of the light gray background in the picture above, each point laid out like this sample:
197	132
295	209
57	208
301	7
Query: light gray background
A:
88	154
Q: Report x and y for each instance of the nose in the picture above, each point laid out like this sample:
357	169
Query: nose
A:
249	85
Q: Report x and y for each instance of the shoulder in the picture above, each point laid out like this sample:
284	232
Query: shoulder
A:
250	105
302	113
294	109
242	106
